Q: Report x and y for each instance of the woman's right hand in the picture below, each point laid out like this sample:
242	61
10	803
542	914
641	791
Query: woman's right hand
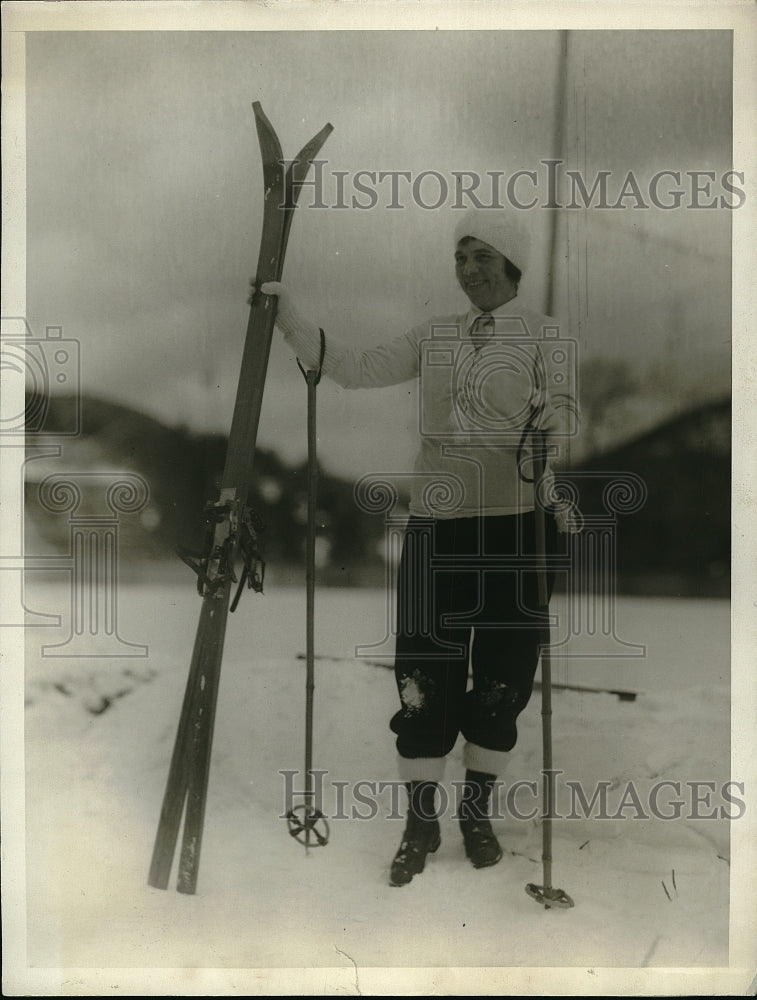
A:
267	288
289	318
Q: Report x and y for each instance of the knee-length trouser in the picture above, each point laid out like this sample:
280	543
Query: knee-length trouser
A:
467	597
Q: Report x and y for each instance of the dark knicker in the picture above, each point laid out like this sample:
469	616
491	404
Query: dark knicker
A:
467	599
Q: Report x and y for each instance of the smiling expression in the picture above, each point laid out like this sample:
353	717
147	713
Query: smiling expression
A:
480	271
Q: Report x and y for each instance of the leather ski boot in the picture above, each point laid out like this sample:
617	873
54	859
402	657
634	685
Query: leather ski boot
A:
481	845
421	836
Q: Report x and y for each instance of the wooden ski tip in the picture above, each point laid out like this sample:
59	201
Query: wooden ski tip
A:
260	115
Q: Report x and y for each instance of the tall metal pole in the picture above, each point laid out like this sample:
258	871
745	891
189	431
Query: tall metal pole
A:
546	894
558	146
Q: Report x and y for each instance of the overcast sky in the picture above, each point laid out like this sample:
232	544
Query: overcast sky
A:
144	194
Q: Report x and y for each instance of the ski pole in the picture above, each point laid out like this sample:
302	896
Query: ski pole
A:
545	894
312	829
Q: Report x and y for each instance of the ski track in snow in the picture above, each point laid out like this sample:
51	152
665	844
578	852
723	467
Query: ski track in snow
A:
99	735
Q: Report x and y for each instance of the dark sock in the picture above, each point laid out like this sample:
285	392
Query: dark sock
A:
476	794
421	835
422	799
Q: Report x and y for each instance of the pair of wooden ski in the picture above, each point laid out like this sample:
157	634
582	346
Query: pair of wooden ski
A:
232	529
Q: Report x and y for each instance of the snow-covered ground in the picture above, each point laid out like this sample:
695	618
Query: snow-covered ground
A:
650	893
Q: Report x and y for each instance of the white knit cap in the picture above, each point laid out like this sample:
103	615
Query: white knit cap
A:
501	229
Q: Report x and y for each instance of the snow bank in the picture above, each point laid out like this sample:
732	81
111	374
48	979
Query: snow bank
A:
649	892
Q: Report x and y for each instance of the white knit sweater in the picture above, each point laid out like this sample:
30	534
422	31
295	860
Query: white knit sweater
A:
474	404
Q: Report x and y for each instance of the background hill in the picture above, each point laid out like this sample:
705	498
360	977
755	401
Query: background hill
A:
182	470
678	542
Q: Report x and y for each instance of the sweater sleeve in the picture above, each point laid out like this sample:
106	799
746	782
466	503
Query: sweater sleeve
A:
385	364
560	417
